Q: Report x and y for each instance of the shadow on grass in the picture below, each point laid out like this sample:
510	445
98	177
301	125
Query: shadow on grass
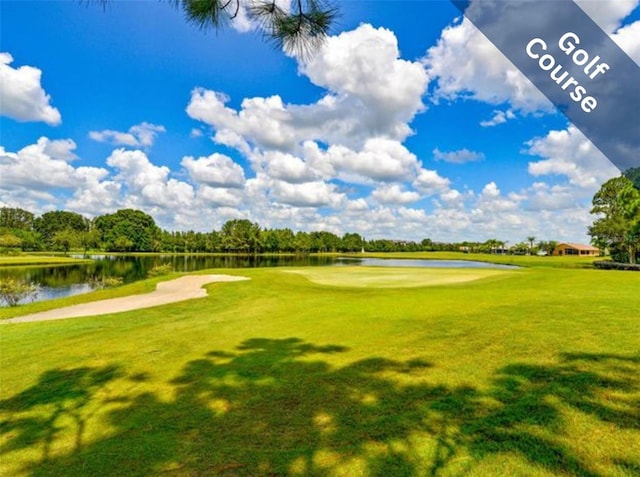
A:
61	395
275	407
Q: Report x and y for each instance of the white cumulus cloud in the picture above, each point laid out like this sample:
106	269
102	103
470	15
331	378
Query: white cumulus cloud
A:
149	185
22	96
310	194
570	154
370	92
140	135
379	159
43	166
465	63
215	170
460	156
394	194
499	117
38	174
363	67
430	182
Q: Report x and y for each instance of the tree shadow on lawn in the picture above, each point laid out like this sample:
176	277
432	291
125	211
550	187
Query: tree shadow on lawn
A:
59	395
274	407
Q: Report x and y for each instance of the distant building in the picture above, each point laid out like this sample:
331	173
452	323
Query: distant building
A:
576	249
500	250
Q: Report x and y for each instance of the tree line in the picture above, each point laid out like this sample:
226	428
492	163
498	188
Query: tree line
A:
130	230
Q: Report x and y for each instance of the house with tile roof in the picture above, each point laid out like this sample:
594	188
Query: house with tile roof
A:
576	249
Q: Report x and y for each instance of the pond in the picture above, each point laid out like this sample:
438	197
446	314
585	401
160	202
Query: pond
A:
62	281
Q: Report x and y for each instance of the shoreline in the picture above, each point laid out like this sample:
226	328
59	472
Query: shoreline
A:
171	291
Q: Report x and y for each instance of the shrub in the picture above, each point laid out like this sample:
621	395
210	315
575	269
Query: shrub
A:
12	290
110	282
105	282
608	265
160	270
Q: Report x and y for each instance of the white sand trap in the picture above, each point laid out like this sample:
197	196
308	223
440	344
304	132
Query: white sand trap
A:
180	289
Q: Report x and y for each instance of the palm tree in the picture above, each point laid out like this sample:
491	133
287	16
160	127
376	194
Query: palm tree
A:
531	239
300	30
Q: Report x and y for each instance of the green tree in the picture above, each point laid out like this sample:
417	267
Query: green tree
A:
521	248
300	29
617	229
351	242
630	203
190	241
9	241
16	218
89	239
547	246
123	244
269	240
490	246
65	240
324	241
240	235
633	175
286	240
531	239
128	230
50	223
302	242
426	244
31	240
213	241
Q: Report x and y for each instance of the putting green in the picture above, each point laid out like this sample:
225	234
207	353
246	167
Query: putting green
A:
387	277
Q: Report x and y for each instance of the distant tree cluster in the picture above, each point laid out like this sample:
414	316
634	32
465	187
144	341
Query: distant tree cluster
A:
130	230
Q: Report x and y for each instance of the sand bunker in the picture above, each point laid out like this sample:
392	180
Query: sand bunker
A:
183	288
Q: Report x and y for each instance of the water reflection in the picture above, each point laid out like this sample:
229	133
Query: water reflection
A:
61	281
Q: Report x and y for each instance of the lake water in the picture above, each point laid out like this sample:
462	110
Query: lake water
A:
68	280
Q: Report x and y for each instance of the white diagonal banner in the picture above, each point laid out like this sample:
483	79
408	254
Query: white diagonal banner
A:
574	63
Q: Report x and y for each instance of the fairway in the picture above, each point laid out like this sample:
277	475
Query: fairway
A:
534	372
383	277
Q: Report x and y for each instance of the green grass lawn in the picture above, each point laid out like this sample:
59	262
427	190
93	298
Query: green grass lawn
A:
534	372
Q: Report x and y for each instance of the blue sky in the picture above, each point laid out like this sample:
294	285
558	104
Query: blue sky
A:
408	124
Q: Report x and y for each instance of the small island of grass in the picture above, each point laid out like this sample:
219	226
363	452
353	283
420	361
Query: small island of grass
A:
33	260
